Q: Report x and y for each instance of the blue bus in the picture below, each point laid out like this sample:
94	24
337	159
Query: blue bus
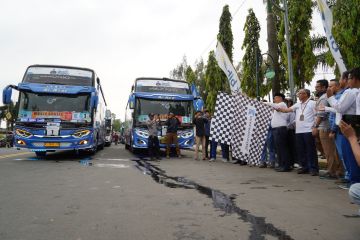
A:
59	108
160	96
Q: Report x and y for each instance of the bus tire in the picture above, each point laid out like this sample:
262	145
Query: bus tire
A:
40	154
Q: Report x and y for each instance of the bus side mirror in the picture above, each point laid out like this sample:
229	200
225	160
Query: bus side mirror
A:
94	101
7	92
132	101
198	105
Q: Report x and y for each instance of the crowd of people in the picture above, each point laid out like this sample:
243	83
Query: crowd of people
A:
297	133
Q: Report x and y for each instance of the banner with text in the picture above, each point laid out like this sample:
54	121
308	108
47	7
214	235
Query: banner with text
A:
229	70
327	20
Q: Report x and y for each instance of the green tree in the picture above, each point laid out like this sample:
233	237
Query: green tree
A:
12	109
117	125
200	78
252	51
225	35
213	81
303	58
346	31
190	76
226	38
273	23
179	72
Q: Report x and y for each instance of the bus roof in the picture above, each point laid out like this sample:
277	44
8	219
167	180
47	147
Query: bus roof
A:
60	66
163	79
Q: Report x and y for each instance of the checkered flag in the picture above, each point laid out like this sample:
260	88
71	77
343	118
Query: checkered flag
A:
249	128
220	129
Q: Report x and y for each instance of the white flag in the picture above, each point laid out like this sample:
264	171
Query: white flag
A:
229	70
327	20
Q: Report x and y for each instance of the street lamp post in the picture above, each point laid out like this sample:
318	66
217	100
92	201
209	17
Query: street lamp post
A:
257	74
257	71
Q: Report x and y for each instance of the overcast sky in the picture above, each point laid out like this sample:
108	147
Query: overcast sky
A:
121	40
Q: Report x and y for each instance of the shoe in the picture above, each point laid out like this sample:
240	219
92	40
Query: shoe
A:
224	160
204	159
283	170
196	159
345	186
263	165
314	173
272	165
342	181
212	160
302	171
242	163
167	156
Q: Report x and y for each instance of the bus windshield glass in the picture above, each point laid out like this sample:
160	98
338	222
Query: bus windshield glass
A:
162	86
58	75
35	107
181	109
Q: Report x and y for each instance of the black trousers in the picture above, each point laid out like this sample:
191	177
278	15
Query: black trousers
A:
153	146
281	146
292	147
306	152
207	143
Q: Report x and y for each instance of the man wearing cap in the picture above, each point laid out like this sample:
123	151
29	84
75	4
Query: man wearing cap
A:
279	123
172	124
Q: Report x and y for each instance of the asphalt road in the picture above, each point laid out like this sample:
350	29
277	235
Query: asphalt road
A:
117	195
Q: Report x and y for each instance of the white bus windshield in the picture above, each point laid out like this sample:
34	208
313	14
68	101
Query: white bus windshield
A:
181	109
35	107
58	75
162	86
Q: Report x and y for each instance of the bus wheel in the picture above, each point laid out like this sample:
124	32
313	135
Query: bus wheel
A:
40	154
101	147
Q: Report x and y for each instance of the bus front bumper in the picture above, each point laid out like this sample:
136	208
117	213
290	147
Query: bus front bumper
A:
53	144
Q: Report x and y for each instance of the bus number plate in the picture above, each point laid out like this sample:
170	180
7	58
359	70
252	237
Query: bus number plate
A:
52	144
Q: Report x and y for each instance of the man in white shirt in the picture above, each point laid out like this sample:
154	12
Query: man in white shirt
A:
305	142
279	125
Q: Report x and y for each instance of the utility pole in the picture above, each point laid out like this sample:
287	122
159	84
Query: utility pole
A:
257	74
288	47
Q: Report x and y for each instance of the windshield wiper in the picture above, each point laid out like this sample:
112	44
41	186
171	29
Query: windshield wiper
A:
54	83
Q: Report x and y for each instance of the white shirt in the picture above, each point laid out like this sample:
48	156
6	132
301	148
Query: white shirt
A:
347	102
279	119
308	110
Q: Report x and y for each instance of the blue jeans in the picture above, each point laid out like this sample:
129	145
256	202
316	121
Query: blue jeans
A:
224	150
338	140
350	162
268	146
306	151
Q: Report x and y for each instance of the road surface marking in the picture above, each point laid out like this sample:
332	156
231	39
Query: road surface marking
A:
14	154
112	165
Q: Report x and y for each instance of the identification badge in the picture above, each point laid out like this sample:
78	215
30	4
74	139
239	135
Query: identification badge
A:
302	117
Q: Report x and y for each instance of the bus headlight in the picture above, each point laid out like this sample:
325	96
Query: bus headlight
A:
23	133
81	133
186	134
142	133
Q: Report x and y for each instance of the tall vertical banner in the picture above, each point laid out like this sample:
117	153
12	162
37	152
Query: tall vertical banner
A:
243	123
227	67
327	20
